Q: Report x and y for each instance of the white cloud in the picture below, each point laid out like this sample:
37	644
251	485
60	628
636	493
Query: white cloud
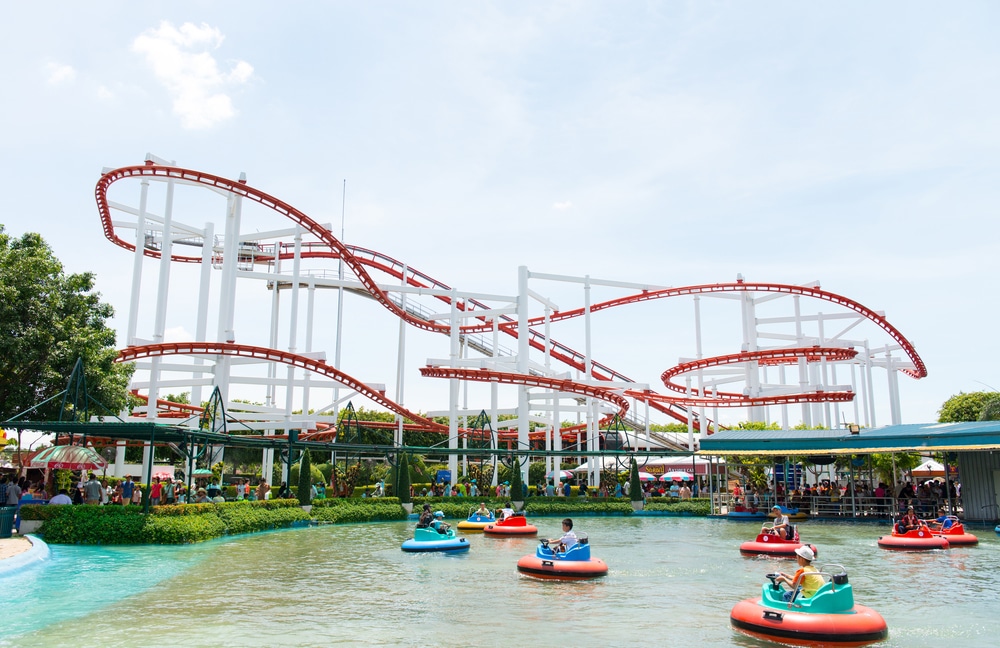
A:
177	334
104	92
562	206
182	61
59	73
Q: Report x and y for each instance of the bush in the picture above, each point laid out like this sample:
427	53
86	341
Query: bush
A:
700	506
176	524
564	506
355	510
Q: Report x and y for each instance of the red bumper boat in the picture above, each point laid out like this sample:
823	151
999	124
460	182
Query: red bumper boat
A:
515	525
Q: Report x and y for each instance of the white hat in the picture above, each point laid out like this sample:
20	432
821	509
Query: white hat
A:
806	552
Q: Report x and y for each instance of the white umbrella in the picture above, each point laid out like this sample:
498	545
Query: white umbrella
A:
678	475
645	476
563	474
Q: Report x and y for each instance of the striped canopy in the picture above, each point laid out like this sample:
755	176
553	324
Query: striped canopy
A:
68	457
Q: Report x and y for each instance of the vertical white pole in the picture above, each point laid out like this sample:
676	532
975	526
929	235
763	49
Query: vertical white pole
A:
592	419
293	330
494	391
523	349
701	381
453	385
871	386
162	297
401	359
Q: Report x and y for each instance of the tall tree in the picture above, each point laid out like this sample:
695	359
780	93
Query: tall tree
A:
966	407
48	319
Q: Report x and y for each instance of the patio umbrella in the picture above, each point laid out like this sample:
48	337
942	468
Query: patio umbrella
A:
563	474
678	475
645	476
68	457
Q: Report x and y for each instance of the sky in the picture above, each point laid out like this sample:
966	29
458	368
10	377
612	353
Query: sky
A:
670	143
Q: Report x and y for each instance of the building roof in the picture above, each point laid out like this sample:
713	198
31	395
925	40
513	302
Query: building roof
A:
979	435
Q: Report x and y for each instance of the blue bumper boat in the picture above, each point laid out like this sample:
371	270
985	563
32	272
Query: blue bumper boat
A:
430	540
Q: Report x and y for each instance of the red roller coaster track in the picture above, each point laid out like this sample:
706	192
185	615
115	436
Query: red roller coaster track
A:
358	260
283	357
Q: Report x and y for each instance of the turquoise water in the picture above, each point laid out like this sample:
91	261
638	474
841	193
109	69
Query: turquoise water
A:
670	580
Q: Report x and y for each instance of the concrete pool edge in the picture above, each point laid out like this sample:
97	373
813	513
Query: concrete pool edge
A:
38	552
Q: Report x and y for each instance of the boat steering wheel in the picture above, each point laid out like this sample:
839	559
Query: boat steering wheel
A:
544	542
774	579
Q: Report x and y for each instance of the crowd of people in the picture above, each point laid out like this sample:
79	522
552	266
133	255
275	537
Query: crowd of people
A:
86	488
832	498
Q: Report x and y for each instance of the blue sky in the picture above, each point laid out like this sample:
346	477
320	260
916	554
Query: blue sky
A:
673	143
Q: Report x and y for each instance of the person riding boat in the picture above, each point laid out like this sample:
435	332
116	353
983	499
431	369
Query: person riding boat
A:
806	579
439	524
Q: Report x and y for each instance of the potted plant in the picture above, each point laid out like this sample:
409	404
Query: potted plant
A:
635	487
516	485
305	482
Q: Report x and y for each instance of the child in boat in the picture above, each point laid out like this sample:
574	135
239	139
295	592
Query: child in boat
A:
806	580
567	540
482	511
507	511
439	524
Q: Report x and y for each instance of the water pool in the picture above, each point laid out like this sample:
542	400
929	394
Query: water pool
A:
672	580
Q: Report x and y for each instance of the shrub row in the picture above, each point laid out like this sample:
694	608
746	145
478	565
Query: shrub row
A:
564	506
167	525
700	506
355	510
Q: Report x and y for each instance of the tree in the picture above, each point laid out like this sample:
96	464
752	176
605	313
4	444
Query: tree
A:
403	487
516	482
48	319
634	486
305	480
966	407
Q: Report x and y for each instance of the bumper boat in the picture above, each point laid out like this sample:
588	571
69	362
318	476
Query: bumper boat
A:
770	543
476	522
573	564
829	617
921	539
424	540
954	532
515	525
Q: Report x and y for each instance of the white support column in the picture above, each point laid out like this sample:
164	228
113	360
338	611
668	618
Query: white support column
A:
140	247
159	325
204	290
400	360
310	314
871	386
494	392
453	385
523	349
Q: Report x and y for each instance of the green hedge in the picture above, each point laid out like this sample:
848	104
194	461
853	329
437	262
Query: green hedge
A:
339	511
178	524
699	506
566	506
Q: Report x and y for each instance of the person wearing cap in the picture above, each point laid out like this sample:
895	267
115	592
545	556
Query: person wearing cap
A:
781	527
806	579
439	524
426	517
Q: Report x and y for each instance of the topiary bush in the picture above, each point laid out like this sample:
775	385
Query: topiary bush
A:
305	480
